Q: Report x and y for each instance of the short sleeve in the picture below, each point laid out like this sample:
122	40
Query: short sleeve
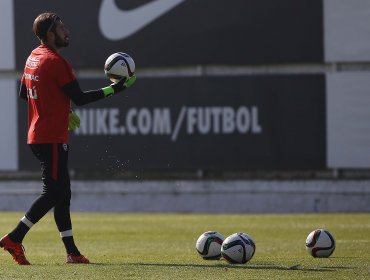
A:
62	71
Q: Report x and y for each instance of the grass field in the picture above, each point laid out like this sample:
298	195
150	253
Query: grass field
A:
162	246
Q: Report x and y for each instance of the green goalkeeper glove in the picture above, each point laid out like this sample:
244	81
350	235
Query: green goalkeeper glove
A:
74	121
119	86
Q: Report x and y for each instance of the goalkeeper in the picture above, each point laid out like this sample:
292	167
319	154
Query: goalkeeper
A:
49	85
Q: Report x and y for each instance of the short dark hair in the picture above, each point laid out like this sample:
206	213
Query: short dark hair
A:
43	23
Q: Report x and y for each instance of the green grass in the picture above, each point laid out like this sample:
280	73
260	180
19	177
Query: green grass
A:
162	246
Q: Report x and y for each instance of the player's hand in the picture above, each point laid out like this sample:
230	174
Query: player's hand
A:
123	83
119	86
130	81
74	121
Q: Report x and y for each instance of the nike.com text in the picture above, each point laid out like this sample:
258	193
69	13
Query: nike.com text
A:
158	121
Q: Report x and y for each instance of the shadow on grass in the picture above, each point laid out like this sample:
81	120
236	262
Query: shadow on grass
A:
230	266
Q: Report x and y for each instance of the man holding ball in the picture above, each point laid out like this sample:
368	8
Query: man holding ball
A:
49	85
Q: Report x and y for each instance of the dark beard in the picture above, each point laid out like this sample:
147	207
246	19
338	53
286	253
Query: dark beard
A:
59	43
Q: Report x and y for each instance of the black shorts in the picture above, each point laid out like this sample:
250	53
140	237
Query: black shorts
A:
54	164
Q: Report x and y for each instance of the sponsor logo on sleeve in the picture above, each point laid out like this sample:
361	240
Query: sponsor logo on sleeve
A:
32	62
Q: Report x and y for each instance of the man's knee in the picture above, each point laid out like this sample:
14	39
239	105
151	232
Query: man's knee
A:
57	190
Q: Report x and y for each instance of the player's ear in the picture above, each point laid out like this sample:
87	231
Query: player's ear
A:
50	34
50	37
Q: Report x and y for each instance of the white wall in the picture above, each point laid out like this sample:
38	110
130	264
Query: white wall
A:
8	125
347	40
348	120
7	45
256	196
347	30
8	92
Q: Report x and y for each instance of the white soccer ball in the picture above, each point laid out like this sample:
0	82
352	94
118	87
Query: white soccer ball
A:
320	243
238	248
209	245
119	65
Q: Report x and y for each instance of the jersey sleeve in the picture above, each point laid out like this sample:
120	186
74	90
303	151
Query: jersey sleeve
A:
63	72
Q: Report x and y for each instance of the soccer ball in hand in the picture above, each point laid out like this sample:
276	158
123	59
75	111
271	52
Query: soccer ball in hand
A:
320	243
209	245
119	65
238	248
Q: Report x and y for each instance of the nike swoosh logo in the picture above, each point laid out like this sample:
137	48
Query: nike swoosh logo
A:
116	24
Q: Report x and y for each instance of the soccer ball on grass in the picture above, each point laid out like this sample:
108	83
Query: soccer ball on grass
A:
238	248
320	243
209	245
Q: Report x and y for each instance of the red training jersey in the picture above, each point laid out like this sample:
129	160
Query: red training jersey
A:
45	73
